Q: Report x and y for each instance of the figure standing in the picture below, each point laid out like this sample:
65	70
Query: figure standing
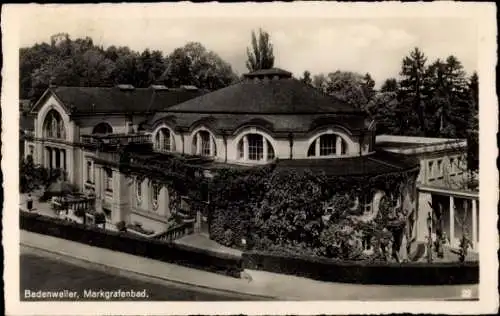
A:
29	203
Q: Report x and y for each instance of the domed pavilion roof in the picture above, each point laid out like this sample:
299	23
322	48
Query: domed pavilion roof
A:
272	96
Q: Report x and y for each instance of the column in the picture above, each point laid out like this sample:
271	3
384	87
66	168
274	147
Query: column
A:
474	224
264	148
212	145
452	221
45	157
61	159
338	146
54	154
317	144
245	147
198	144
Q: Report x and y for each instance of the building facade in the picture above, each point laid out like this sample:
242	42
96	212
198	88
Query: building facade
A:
269	117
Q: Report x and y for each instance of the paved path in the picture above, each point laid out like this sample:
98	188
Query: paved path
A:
263	284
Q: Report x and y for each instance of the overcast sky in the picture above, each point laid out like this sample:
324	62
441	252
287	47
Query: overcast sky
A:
317	44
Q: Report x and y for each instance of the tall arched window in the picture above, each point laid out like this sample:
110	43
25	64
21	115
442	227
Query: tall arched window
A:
327	145
102	128
155	195
204	144
53	126
255	147
164	140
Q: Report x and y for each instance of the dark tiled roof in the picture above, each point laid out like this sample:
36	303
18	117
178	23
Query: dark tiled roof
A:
377	163
282	96
269	73
82	100
275	124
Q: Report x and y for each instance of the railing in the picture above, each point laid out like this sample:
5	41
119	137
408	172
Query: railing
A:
176	232
115	139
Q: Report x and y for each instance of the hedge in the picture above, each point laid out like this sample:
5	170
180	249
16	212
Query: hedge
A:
120	241
324	269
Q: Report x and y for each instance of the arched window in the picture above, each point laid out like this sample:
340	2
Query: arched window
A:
204	144
164	140
54	126
155	192
327	145
102	128
255	147
138	191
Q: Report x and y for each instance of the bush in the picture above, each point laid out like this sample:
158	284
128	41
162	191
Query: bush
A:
121	226
121	241
331	270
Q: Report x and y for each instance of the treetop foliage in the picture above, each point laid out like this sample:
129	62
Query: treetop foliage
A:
80	62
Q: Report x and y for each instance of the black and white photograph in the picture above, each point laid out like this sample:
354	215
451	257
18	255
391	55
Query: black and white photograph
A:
222	158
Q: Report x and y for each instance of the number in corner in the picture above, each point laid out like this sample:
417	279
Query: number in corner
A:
466	293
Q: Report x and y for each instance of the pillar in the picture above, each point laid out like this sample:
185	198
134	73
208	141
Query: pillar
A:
245	147
264	148
212	145
120	208
54	153
474	224
452	221
318	146
198	144
338	146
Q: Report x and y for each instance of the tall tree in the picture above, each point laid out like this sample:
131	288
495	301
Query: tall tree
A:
260	55
368	86
412	72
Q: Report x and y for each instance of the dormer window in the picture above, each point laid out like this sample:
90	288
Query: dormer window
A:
204	144
255	147
164	140
327	145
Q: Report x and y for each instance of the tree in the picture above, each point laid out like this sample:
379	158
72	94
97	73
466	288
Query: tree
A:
349	87
390	85
193	64
260	55
306	78
411	112
319	82
383	108
368	86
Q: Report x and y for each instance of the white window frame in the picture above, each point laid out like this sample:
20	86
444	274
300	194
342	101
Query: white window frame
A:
339	147
138	191
243	148
155	195
439	166
108	179
430	169
160	139
89	171
203	147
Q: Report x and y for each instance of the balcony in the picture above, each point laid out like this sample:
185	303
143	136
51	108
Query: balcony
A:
115	140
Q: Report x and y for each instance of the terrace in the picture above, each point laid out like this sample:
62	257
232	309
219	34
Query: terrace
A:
115	140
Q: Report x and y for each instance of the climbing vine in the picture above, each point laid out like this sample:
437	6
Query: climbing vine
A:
272	209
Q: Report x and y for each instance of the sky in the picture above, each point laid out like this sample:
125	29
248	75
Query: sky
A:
320	44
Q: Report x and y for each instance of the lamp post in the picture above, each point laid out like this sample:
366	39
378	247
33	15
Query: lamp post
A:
429	243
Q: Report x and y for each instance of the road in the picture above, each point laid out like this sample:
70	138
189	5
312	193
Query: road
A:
47	272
